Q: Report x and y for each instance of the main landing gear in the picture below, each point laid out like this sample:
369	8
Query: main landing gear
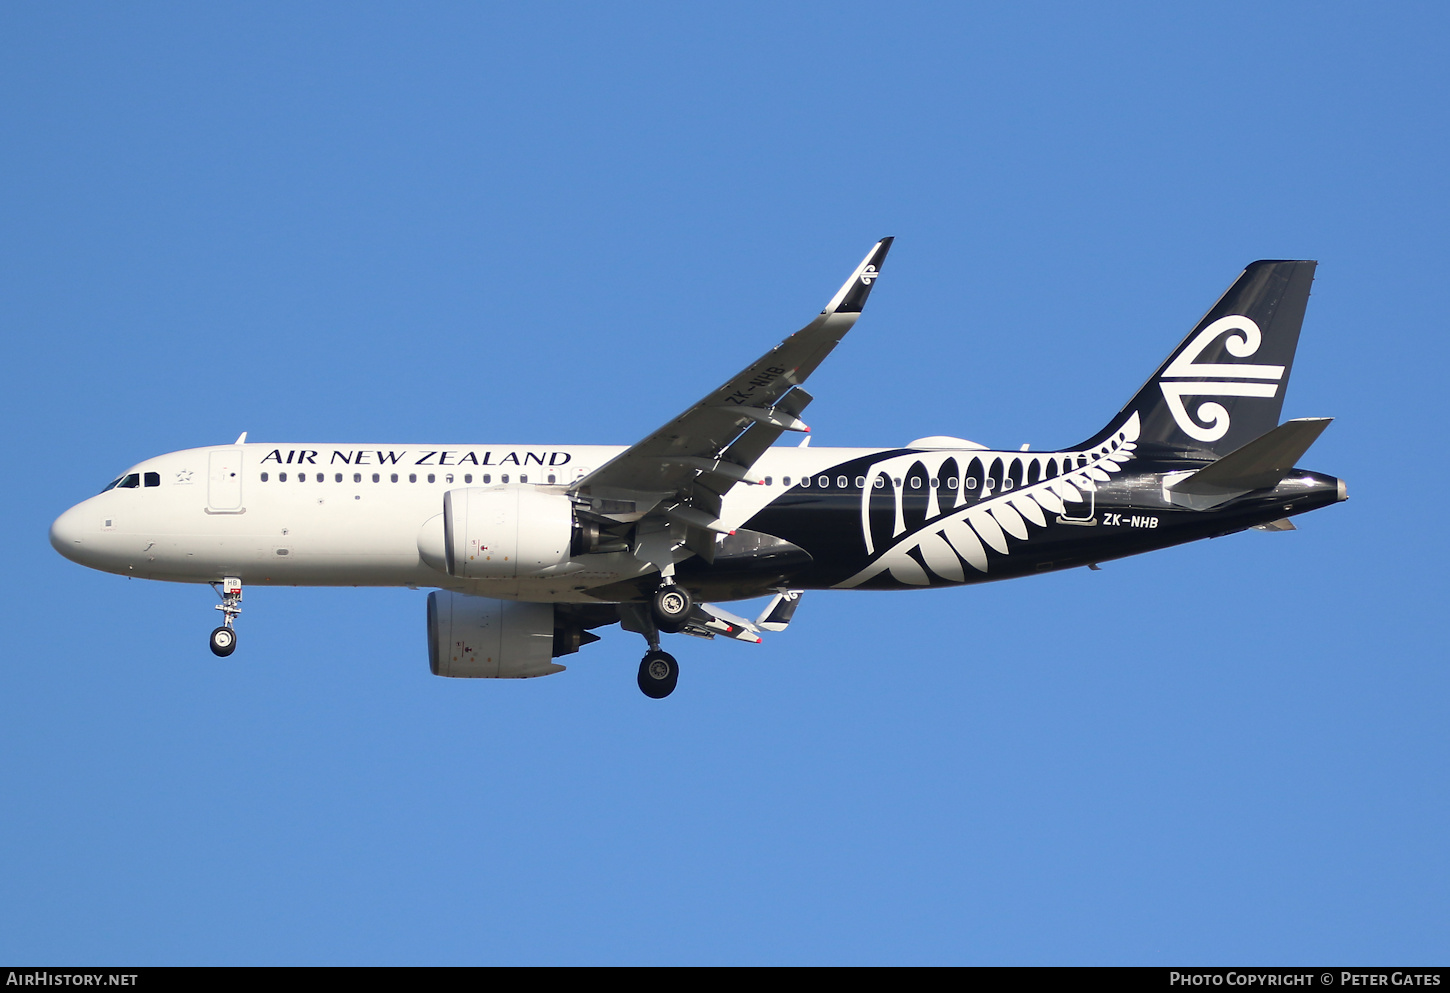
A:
668	611
224	638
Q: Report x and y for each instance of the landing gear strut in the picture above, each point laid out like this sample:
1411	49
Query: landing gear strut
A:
224	638
658	671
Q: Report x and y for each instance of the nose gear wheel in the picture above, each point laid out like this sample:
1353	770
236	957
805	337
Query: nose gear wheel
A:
223	642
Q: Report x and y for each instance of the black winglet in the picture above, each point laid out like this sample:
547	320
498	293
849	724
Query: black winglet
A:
852	297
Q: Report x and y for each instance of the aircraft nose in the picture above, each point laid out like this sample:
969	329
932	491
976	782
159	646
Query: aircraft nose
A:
67	534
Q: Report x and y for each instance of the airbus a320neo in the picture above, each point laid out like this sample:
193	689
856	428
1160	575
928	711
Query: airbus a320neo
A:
532	547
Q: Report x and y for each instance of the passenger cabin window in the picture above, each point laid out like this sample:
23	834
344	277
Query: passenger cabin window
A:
337	478
430	477
523	479
504	478
468	477
377	478
487	479
357	477
264	477
281	477
321	478
412	477
448	478
394	476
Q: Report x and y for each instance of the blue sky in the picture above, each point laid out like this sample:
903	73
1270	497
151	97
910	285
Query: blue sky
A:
525	224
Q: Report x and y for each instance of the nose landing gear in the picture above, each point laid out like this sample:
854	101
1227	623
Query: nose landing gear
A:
224	638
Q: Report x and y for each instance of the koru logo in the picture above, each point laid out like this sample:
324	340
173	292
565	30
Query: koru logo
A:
1210	421
868	274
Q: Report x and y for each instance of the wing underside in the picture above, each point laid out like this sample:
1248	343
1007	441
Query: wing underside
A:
664	494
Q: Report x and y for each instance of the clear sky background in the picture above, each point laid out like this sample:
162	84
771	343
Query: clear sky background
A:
548	224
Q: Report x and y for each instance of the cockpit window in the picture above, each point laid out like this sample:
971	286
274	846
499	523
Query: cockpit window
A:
113	483
127	482
153	479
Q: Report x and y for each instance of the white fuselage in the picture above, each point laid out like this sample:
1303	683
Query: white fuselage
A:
349	515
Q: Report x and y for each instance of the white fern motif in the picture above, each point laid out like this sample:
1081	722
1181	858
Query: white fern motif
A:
947	543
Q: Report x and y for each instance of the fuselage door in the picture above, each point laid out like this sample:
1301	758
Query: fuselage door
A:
1081	512
224	481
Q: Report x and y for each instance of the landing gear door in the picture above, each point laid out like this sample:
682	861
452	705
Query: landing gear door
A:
224	481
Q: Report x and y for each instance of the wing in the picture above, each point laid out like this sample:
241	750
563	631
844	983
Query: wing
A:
678	475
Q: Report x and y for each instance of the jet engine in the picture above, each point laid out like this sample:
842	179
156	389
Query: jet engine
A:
504	532
483	638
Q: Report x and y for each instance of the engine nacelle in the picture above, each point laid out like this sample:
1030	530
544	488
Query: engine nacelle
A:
482	638
504	532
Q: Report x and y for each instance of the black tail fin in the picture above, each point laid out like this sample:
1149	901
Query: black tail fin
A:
1224	385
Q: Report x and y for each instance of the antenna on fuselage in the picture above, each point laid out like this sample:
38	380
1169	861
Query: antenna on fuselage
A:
241	439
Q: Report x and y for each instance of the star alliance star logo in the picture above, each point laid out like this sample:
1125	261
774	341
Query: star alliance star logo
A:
183	477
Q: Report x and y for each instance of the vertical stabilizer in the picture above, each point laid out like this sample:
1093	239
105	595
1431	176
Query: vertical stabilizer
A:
1224	385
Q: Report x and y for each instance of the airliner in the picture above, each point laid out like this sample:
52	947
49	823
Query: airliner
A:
531	548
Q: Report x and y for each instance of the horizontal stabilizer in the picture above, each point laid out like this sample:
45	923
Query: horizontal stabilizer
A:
1262	462
1258	465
